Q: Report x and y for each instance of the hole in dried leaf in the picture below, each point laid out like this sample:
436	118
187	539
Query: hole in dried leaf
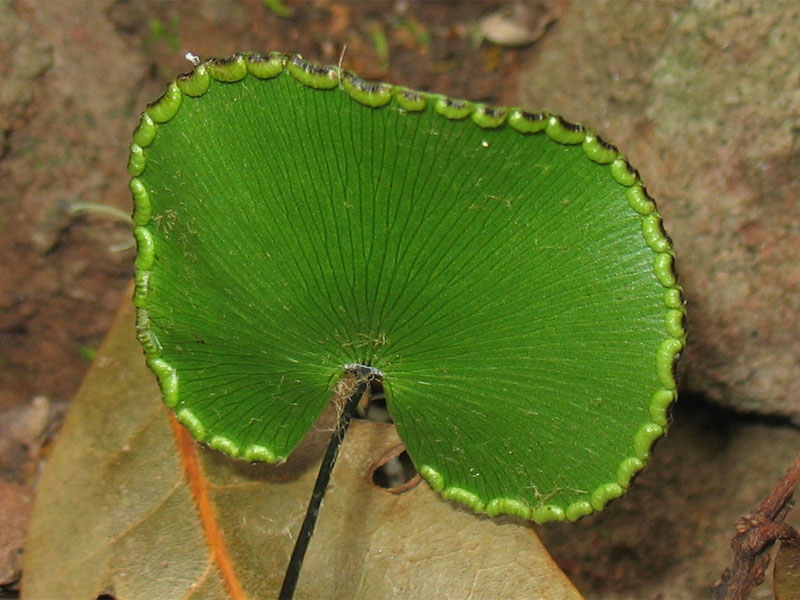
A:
375	409
395	472
9	590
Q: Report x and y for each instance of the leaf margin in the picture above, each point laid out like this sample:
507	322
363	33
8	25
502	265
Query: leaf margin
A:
239	66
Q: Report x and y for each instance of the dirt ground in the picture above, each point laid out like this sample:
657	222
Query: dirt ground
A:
75	77
63	270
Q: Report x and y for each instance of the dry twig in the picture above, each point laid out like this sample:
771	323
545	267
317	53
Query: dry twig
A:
756	532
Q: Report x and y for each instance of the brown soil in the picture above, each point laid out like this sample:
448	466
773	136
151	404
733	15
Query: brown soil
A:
62	272
75	77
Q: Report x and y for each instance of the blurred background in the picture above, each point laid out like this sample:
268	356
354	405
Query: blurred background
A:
704	97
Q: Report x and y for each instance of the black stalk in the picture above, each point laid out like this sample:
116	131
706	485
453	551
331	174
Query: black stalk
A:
323	477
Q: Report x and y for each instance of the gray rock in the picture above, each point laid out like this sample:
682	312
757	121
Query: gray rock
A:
704	97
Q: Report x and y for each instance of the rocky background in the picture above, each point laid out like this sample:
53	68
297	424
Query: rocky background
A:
705	99
703	96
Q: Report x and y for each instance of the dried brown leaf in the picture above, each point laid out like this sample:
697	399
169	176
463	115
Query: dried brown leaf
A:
130	506
786	576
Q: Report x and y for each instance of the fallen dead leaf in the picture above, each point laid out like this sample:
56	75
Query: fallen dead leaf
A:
786	580
131	506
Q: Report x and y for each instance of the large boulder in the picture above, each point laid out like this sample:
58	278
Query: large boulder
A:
705	99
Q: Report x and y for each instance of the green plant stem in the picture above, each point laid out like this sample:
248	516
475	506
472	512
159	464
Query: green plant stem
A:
321	485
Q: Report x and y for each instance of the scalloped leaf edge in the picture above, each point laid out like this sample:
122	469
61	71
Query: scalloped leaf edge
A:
376	95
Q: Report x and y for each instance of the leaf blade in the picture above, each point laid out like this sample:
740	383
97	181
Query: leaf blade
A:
138	534
467	261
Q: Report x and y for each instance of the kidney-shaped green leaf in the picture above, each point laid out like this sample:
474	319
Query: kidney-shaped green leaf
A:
505	271
130	508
